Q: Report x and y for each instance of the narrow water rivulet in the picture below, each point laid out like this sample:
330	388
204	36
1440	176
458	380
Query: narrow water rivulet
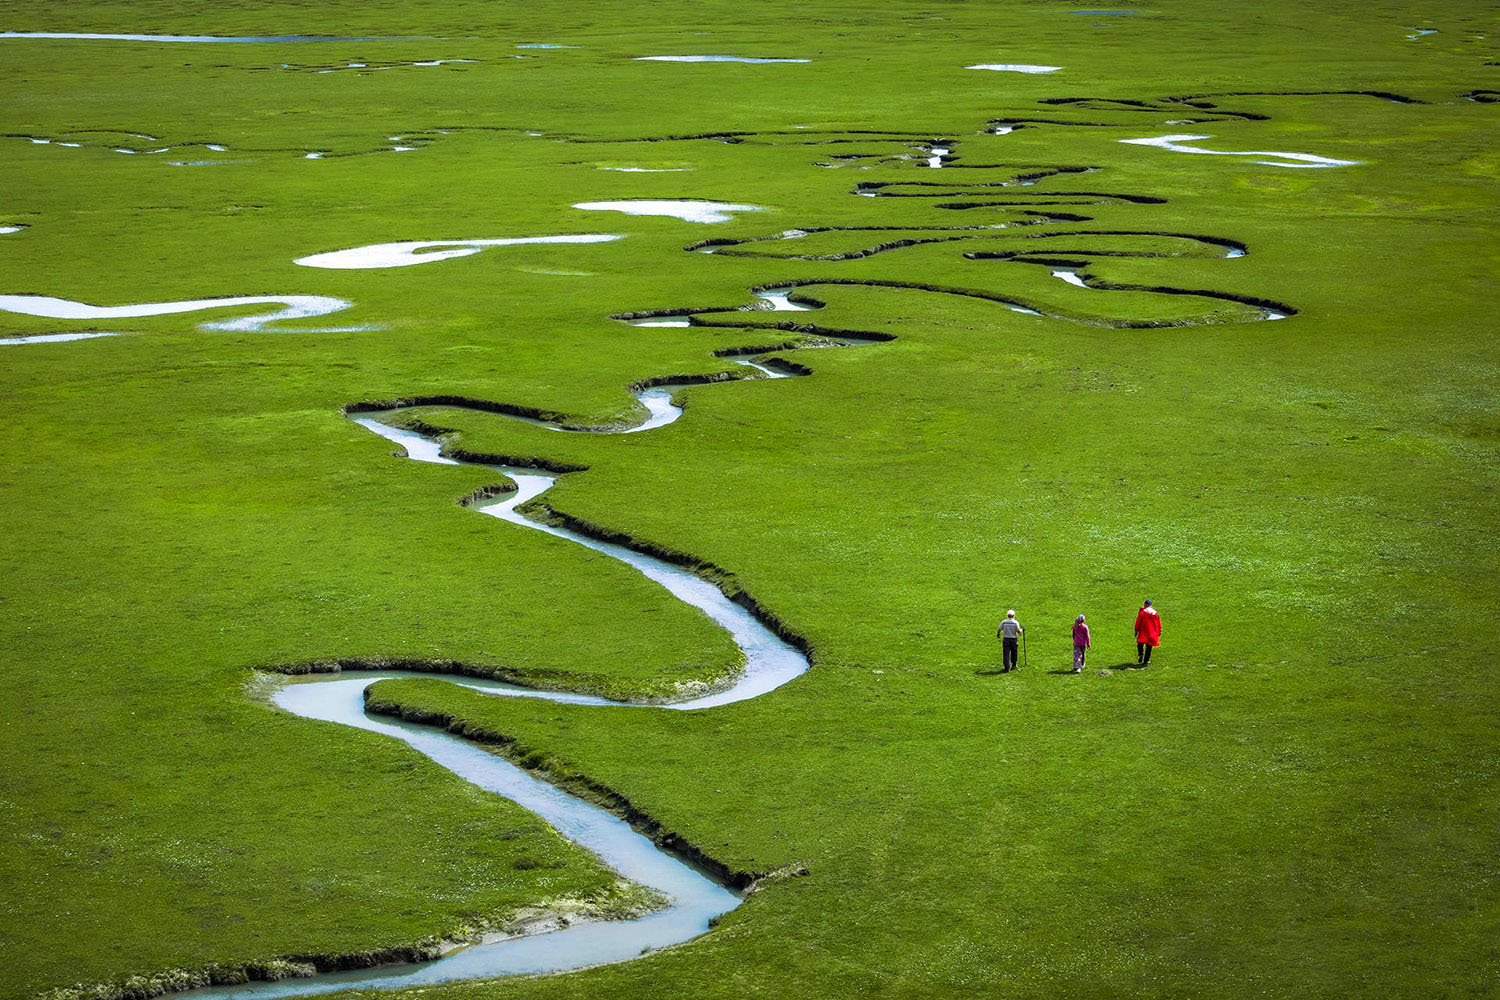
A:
695	898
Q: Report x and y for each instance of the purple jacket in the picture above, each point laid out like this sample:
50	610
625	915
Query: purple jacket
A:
1080	634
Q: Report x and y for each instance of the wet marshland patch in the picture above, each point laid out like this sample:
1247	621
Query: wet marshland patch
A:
1027	204
1183	109
702	568
129	142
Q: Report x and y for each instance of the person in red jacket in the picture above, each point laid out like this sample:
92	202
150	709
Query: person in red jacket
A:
1147	633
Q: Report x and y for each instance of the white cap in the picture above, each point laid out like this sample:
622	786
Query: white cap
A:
1011	613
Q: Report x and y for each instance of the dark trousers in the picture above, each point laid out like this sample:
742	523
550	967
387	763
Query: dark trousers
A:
1143	652
1008	649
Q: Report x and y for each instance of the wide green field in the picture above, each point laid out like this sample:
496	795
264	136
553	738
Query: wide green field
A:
1298	798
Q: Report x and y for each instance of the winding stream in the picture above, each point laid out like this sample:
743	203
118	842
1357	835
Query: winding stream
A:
695	898
769	661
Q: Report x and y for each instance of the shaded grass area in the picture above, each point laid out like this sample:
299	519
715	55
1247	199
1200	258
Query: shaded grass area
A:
1297	798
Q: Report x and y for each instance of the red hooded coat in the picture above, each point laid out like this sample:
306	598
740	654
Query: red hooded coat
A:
1148	627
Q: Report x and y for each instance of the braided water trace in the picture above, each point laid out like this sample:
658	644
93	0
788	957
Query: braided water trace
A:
696	890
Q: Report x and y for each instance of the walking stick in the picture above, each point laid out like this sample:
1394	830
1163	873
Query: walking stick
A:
1025	660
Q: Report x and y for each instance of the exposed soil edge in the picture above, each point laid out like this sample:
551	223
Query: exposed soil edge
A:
726	581
1029	174
1099	284
445	399
531	680
528	919
710	572
1100	198
983	233
1006	300
575	783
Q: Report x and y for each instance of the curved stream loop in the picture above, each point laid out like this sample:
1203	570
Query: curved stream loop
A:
695	898
1072	271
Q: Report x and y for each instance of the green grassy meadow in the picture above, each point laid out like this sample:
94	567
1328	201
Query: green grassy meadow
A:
1299	798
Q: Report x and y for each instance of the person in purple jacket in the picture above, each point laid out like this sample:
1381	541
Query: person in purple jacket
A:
1080	643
